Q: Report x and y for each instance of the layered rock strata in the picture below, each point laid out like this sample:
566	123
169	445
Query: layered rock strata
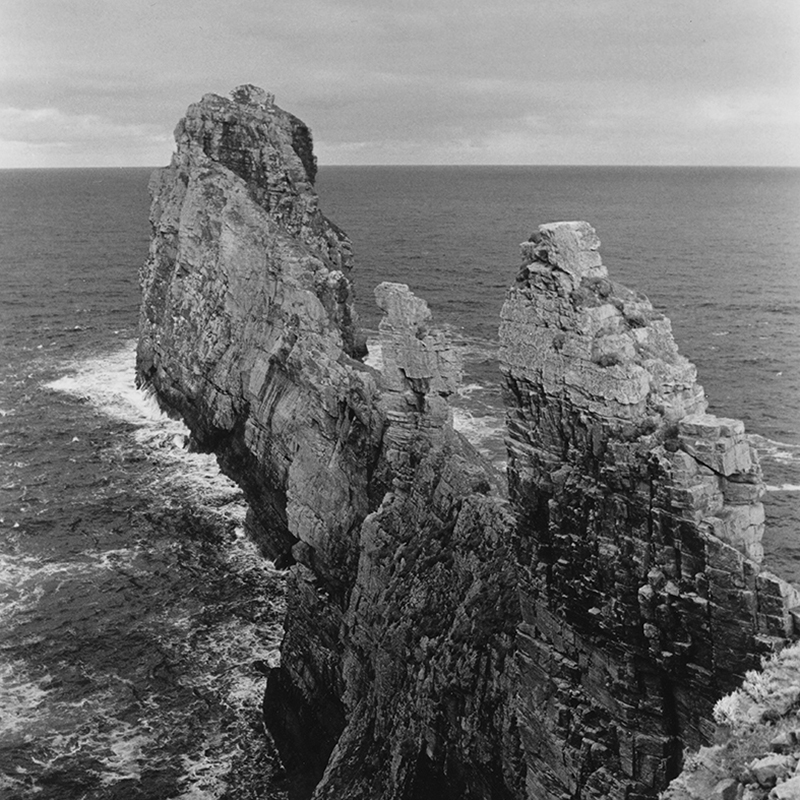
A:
441	638
401	598
641	593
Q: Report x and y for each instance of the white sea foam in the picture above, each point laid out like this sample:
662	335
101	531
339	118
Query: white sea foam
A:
469	389
784	487
477	428
782	452
21	698
90	727
222	655
763	441
24	580
127	748
204	778
785	456
484	432
218	658
107	382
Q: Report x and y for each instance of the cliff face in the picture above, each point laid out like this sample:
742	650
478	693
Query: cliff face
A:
242	266
642	598
401	598
439	637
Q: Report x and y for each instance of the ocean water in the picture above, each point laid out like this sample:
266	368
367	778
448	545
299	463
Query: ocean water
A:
136	621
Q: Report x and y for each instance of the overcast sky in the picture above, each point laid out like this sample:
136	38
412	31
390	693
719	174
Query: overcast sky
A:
103	82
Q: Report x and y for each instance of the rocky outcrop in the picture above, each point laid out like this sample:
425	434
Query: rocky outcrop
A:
242	266
445	636
401	598
640	518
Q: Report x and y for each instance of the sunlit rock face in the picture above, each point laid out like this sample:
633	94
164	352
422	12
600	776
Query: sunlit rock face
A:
247	315
401	596
448	635
641	524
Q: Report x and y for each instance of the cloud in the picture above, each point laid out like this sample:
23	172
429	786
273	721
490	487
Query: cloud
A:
77	139
570	123
52	126
609	79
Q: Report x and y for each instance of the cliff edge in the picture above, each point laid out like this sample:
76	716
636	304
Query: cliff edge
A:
566	635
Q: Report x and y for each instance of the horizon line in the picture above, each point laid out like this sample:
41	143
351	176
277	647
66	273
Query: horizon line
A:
446	166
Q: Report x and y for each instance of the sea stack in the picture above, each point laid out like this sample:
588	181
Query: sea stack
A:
562	634
641	593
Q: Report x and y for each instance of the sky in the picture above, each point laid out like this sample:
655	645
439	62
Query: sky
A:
672	82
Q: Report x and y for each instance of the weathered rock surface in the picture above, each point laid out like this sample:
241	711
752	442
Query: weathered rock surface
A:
441	639
639	513
402	598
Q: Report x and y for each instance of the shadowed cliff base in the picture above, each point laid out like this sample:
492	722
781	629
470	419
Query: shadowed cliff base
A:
564	634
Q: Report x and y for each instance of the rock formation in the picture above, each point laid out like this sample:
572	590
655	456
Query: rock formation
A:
564	638
641	594
402	598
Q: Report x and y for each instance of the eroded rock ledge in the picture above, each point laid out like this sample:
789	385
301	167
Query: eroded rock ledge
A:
565	636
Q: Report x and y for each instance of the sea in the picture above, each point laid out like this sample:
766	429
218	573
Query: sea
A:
137	622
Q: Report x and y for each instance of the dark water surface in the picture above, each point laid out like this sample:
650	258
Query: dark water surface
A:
132	607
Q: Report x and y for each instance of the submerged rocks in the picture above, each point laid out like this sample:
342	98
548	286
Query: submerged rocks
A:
445	637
